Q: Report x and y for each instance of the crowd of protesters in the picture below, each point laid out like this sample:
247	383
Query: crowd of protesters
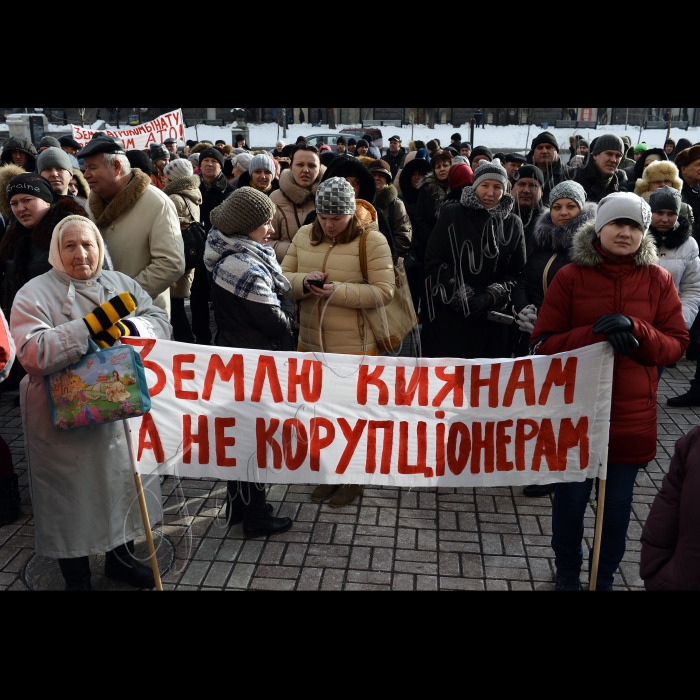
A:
602	248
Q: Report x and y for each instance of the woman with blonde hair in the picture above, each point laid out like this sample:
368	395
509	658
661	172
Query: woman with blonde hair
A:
323	267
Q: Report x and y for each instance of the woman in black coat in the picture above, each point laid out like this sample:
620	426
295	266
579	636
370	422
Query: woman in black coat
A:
490	257
433	191
409	182
554	236
247	286
36	211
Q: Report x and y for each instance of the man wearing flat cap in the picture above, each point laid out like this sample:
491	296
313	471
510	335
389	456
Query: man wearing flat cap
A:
396	156
69	145
138	222
171	145
513	163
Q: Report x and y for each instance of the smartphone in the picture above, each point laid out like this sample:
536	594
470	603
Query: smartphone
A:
500	318
319	284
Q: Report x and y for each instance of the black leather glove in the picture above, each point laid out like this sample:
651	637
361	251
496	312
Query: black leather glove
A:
481	302
613	323
623	343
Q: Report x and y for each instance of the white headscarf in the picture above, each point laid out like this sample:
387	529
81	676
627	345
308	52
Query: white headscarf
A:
57	239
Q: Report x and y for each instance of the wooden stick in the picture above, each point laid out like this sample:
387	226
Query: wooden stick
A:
144	509
602	488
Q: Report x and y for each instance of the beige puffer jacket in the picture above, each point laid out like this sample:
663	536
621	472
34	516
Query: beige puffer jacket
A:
345	327
176	190
294	204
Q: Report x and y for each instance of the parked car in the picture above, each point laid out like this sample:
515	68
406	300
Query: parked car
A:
357	134
319	140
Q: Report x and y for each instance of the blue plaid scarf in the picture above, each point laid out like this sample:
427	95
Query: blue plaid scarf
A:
245	268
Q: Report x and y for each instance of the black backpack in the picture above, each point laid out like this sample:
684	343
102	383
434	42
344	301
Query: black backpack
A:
194	238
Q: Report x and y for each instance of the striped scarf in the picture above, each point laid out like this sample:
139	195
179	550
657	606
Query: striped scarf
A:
245	268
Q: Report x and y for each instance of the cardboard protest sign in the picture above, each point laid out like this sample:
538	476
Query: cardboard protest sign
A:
311	419
171	125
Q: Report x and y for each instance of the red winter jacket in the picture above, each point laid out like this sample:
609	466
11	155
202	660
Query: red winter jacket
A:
671	538
596	285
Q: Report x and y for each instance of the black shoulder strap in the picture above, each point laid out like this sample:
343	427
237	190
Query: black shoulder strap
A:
187	204
392	216
296	215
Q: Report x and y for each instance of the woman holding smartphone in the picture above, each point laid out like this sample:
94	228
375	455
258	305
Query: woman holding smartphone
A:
323	266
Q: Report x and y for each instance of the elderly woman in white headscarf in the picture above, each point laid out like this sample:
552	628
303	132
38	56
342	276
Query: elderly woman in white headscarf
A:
81	482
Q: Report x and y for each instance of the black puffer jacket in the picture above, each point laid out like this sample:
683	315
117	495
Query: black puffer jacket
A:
213	196
449	333
589	178
396	162
248	324
691	197
430	200
409	194
23	145
24	253
553	177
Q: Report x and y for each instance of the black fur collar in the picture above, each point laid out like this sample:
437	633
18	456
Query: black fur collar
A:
673	239
560	239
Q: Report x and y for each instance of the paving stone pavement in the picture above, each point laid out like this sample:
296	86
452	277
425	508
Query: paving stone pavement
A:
394	539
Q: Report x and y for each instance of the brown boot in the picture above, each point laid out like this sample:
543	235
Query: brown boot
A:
323	493
346	496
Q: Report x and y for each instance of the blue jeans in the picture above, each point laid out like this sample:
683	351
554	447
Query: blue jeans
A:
570	504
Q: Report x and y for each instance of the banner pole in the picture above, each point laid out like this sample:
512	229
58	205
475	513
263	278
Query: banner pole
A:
602	490
144	509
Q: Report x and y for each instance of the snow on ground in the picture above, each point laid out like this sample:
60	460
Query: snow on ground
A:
495	137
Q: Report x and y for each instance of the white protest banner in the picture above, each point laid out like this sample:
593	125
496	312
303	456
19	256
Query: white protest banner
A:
294	418
171	125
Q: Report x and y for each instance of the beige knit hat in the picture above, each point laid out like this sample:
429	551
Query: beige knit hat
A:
245	211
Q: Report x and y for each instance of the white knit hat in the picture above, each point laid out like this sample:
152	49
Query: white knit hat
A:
623	205
177	169
242	162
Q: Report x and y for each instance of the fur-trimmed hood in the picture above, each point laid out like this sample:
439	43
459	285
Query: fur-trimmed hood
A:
585	254
83	187
7	173
386	197
502	211
660	171
106	214
560	239
674	238
188	186
294	193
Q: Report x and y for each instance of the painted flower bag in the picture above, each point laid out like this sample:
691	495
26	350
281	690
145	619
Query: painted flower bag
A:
104	386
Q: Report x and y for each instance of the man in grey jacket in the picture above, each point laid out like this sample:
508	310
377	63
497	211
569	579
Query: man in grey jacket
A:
138	222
